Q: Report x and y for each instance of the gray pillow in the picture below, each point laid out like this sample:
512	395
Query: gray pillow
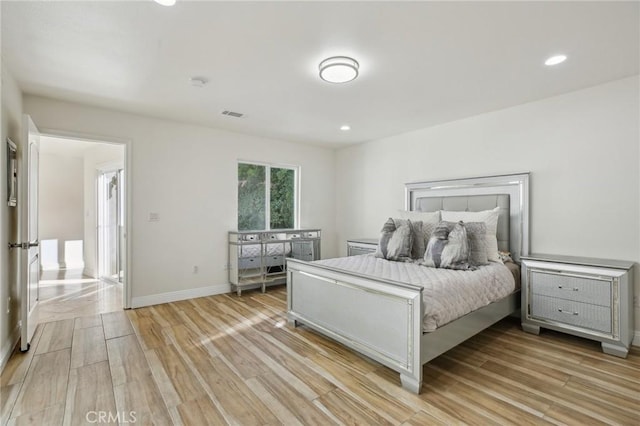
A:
401	242
396	240
448	247
476	235
385	235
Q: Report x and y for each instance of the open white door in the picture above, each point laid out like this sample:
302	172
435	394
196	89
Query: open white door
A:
30	251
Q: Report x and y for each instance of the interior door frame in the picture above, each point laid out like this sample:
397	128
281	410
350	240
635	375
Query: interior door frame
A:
127	285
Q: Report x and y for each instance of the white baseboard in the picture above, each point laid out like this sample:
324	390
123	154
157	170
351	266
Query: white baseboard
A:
636	338
174	296
89	272
8	347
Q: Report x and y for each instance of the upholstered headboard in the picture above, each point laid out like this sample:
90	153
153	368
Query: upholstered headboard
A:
509	192
473	203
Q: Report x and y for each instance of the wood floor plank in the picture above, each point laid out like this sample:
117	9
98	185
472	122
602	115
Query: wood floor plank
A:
45	384
306	412
231	391
116	324
126	360
168	313
142	397
195	411
182	379
492	383
90	391
8	397
349	410
88	346
148	330
422	418
50	416
366	390
88	322
15	370
55	336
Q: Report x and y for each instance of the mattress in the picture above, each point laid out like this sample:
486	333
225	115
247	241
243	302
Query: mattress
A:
254	250
447	295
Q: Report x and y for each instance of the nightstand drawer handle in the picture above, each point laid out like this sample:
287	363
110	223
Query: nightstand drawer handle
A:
567	312
572	289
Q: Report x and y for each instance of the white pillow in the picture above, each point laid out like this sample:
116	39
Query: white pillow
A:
429	217
489	217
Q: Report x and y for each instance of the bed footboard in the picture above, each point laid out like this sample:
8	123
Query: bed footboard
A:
380	319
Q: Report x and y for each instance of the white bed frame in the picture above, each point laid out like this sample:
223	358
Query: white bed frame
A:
382	319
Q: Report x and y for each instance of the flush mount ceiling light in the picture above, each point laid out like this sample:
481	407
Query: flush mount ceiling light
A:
345	127
339	69
166	2
555	60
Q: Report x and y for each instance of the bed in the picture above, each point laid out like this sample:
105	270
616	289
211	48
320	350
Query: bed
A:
382	315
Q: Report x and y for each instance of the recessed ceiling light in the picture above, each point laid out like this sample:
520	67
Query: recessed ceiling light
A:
555	60
345	127
339	69
198	81
166	2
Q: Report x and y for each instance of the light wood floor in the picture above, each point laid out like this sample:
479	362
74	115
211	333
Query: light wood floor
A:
225	359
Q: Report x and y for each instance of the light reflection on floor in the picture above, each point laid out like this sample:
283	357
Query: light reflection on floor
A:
68	294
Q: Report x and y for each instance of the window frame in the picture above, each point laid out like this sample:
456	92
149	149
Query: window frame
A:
267	177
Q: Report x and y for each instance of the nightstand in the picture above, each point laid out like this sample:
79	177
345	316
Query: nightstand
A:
356	246
591	298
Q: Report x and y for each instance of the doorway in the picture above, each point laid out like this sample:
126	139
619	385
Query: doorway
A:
81	222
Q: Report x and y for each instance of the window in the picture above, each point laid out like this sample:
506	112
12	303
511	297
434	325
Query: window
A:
267	197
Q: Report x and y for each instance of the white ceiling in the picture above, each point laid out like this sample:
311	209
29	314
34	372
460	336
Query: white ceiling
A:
422	63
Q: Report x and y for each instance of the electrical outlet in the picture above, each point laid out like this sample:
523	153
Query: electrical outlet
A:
195	269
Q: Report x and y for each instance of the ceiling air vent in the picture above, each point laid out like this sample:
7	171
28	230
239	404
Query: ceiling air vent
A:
232	114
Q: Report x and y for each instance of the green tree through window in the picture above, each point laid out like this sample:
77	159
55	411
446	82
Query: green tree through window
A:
253	202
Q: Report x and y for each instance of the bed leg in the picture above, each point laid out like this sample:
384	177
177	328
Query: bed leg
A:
410	383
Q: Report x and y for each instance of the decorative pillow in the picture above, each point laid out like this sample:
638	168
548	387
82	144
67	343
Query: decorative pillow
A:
448	247
505	256
489	217
399	247
422	225
385	235
396	240
476	235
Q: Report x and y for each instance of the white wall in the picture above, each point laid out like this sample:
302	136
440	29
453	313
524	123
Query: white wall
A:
61	203
582	150
97	155
10	127
187	174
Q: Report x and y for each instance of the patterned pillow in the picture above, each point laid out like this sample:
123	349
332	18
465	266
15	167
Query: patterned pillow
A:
476	235
448	247
422	225
396	240
401	241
